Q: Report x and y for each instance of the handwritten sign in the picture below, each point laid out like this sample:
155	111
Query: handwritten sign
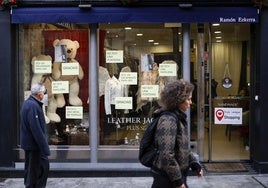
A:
70	68
128	78
74	112
42	67
60	87
149	91
114	56
167	70
122	103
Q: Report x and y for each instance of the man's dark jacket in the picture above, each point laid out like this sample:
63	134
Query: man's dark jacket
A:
33	127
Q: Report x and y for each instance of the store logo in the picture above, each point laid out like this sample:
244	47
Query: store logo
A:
219	114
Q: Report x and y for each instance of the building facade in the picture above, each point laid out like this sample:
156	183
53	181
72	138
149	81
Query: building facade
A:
105	63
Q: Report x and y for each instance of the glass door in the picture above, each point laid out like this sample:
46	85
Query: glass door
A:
226	92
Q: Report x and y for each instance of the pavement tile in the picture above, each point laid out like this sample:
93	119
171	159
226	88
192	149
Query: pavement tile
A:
209	181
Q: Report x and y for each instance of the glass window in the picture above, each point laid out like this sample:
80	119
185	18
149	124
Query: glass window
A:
57	55
136	60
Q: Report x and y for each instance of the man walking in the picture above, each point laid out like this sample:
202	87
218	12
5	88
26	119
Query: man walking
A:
33	139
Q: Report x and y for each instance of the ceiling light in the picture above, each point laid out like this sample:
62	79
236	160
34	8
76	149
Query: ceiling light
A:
139	34
217	32
156	43
216	24
128	28
150	40
219	37
218	40
173	25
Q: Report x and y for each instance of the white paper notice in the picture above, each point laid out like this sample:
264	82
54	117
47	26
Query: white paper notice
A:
60	87
74	112
114	56
42	67
70	68
149	91
228	116
128	78
123	103
167	70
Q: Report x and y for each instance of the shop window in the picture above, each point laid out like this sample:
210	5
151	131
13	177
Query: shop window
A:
134	65
57	55
136	61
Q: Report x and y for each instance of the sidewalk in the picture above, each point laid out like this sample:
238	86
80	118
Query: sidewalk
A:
209	181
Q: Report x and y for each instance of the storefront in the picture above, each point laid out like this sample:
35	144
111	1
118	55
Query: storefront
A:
104	68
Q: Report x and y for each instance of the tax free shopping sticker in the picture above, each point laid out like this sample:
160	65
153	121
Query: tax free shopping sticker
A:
228	116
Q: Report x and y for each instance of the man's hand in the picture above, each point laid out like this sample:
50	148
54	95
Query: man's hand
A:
200	173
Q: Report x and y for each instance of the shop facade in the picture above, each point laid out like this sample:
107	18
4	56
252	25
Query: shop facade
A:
104	75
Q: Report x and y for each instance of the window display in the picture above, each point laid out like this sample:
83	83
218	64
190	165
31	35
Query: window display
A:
131	78
59	59
134	75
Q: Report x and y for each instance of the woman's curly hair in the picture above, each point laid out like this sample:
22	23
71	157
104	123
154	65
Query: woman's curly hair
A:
175	92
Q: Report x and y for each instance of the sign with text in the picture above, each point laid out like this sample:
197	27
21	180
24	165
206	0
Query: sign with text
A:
167	70
114	56
128	78
60	87
122	103
42	67
70	68
74	112
149	91
228	116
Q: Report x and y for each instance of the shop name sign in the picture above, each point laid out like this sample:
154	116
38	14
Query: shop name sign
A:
129	120
132	123
237	19
228	116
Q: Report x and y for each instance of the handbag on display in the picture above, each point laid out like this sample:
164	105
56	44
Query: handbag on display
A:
227	81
